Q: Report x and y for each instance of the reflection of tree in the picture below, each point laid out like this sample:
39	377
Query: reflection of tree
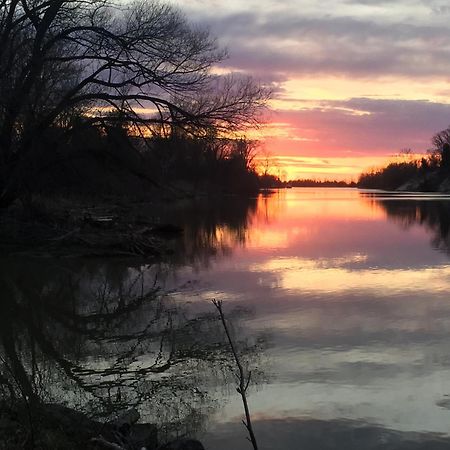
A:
270	205
214	228
433	215
100	337
211	228
103	342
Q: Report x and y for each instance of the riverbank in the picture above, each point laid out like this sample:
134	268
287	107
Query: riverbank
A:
68	227
53	426
407	176
428	183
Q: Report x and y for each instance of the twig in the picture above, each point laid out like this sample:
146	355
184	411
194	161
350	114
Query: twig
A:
66	235
106	444
244	380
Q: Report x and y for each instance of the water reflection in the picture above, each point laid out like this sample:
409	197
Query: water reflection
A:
353	296
359	317
101	337
310	434
429	211
212	228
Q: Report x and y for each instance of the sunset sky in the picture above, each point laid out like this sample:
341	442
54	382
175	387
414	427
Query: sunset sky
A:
355	81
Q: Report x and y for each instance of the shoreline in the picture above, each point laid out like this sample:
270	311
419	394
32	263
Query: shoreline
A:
68	228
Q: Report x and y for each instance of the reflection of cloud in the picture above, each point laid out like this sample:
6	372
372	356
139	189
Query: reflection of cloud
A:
292	433
325	276
357	310
356	355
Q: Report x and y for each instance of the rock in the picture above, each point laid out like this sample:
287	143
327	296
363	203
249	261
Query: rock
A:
183	444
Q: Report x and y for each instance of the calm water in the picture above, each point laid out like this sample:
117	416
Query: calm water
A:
352	290
340	304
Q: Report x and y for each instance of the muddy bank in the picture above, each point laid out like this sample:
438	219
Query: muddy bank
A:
68	228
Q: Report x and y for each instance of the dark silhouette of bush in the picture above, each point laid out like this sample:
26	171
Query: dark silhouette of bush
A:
445	161
209	163
390	177
430	173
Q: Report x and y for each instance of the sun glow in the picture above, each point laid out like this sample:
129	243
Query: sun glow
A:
317	168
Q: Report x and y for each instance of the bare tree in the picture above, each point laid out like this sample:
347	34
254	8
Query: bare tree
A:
441	138
60	59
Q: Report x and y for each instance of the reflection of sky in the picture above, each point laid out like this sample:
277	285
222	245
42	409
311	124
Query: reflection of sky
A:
356	306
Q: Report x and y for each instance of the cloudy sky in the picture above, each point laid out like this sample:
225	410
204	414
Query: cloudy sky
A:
355	81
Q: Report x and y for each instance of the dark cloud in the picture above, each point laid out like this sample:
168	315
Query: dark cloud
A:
352	39
289	42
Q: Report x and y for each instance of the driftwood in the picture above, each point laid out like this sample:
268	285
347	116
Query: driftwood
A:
124	433
102	232
102	442
66	235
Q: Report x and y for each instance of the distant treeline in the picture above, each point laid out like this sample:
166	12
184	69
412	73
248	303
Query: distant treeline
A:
324	183
428	173
115	159
268	181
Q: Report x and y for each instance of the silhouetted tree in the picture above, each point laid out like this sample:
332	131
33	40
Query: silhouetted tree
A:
60	59
441	149
390	177
445	162
210	162
441	138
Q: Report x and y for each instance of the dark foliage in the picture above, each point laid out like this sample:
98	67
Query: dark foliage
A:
208	164
317	183
65	64
429	173
390	177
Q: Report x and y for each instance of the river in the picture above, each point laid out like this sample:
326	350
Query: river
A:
339	300
353	287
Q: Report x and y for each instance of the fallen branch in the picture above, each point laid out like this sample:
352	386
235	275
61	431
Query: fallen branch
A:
66	235
101	441
244	380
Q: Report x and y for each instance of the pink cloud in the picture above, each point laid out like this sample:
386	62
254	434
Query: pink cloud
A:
386	128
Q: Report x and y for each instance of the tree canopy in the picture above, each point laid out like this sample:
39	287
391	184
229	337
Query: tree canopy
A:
141	61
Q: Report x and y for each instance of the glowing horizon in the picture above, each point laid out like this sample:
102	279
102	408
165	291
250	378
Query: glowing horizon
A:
354	81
